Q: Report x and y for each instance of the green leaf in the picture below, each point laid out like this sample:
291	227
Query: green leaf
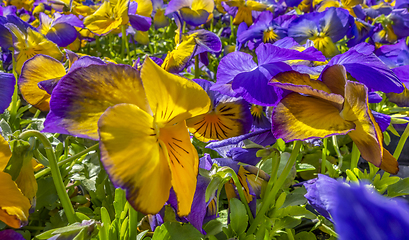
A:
212	187
386	138
82	216
305	236
141	235
213	227
106	220
238	216
399	189
301	167
295	212
5	128
176	231
296	197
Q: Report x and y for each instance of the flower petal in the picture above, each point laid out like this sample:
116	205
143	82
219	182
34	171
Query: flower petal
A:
35	70
299	117
133	158
7	89
302	83
183	163
84	94
172	98
13	208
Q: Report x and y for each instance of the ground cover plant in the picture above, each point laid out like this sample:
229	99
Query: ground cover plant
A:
202	119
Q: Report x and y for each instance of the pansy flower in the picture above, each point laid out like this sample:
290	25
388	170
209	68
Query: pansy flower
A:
324	29
394	26
109	16
158	14
28	43
193	12
228	117
239	75
41	74
193	43
242	10
61	29
139	118
333	106
140	14
265	29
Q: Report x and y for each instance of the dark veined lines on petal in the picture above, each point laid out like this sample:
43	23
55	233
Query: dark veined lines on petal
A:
218	127
173	150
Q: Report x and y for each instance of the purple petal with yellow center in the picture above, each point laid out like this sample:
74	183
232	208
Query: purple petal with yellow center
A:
14	208
7	82
35	70
370	70
84	94
133	158
299	117
206	41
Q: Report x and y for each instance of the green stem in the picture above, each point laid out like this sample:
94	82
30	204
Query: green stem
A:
56	174
324	155
231	28
340	157
274	169
125	40
14	98
240	191
401	143
197	70
133	223
354	156
98	43
73	157
289	234
265	205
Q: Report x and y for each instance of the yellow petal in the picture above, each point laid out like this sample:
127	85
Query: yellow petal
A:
207	5
132	157
389	163
183	162
26	181
367	136
5	153
37	69
145	8
299	117
13	208
224	122
302	83
335	78
176	60
172	98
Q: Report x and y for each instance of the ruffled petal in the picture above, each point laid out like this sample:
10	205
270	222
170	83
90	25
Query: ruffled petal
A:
299	117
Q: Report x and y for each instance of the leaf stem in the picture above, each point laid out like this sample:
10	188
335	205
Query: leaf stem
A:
401	143
55	172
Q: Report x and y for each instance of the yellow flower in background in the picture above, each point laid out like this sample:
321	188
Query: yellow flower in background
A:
109	16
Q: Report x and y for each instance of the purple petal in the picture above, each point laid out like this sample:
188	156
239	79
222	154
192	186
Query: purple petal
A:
373	97
383	120
370	70
140	23
229	67
63	34
361	214
7	82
